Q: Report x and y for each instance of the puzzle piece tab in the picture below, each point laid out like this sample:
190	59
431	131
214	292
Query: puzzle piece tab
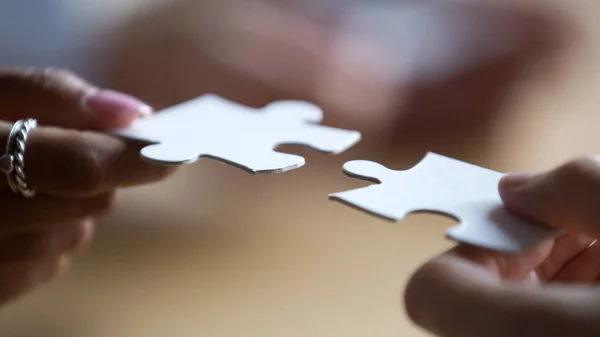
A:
440	184
211	126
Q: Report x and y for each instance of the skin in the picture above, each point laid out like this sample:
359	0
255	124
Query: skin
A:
75	168
552	290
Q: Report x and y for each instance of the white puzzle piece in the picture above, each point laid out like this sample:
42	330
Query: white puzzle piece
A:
443	185
211	126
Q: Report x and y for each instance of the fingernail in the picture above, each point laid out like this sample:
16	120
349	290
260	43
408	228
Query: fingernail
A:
109	101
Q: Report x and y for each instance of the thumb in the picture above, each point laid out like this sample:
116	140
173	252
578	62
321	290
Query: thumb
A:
60	98
567	197
456	295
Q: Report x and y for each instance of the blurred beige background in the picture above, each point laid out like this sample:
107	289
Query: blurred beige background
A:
214	251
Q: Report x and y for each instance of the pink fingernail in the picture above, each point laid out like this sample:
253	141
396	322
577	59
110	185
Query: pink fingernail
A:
108	101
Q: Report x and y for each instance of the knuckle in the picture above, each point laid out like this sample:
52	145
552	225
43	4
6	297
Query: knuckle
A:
50	78
87	172
582	170
41	77
48	82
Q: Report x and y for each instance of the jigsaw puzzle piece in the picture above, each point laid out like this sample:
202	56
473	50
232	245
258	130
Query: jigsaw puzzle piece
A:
169	154
321	138
391	198
246	137
294	111
298	119
251	160
438	184
505	232
260	162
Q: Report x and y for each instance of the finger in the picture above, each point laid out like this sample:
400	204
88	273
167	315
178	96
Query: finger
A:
21	215
79	163
60	98
452	296
567	197
506	266
584	268
15	282
31	248
566	248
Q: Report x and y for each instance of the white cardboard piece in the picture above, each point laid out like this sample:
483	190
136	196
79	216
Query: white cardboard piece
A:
214	127
443	185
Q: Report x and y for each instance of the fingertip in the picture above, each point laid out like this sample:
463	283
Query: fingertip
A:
449	291
430	289
512	181
144	110
514	189
416	296
515	185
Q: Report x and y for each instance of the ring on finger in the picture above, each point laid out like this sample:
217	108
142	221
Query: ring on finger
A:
12	162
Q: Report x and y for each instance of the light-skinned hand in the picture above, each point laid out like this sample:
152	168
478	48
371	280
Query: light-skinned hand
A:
550	291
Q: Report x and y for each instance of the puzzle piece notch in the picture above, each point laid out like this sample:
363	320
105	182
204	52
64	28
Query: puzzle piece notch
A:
213	127
441	185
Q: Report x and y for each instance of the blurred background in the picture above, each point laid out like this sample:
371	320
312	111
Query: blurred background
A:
214	251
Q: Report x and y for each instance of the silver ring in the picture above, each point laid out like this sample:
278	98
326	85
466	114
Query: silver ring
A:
12	163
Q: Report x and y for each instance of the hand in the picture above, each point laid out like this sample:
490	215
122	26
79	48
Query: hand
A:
549	291
75	172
